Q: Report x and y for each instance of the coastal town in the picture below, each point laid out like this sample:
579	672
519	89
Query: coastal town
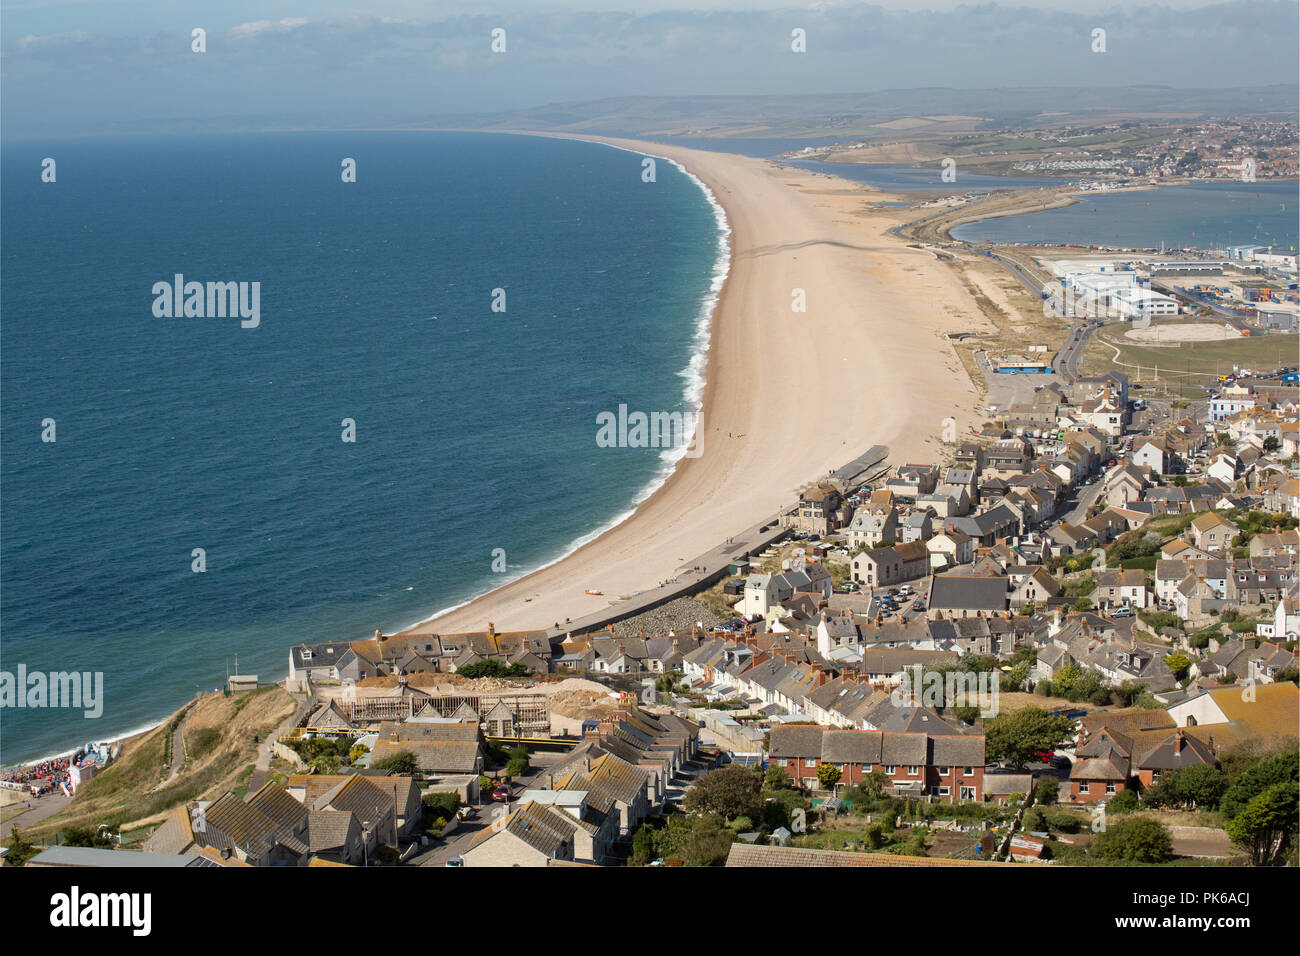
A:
1070	636
1217	147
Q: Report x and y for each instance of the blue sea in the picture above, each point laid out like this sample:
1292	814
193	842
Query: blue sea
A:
1211	215
475	429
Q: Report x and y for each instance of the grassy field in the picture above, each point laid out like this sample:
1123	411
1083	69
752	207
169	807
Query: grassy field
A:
1191	359
127	794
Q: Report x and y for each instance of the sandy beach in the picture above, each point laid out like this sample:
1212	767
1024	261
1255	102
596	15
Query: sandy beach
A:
789	395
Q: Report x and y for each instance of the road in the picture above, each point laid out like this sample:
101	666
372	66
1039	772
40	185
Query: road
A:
42	807
540	763
1083	499
694	574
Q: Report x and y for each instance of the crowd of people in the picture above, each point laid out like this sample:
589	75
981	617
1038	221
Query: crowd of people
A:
42	778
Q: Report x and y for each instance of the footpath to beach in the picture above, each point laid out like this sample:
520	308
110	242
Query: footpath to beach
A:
789	395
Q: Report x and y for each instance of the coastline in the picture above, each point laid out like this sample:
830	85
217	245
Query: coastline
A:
1019	202
693	374
732	484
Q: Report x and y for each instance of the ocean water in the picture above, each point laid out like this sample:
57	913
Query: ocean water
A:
1197	215
475	429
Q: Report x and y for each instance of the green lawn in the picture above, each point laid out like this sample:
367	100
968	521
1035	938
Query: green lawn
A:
1196	359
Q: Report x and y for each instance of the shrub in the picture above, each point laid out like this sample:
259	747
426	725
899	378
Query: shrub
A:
441	803
402	762
1134	840
1126	801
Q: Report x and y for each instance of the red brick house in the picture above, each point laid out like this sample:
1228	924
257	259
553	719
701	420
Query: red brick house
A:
948	766
1112	759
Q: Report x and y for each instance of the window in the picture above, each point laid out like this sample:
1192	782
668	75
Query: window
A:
809	762
943	771
968	771
968	793
1084	787
1110	788
913	771
942	791
890	769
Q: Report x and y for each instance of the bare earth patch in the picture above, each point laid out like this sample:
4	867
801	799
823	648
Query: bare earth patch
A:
1194	332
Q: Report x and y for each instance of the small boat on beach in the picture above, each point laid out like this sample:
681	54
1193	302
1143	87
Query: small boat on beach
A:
593	593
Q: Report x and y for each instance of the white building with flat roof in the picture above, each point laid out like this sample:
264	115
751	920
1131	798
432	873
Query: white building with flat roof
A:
1139	303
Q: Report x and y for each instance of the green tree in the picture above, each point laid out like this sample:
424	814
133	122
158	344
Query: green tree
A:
1282	767
1016	736
730	791
828	775
489	667
1200	785
1134	840
443	803
1266	826
875	783
85	836
1047	789
774	778
1126	801
1066	676
778	806
402	762
1179	664
1014	679
643	846
20	851
707	844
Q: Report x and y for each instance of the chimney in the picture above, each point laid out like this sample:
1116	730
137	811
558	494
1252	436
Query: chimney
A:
379	635
492	629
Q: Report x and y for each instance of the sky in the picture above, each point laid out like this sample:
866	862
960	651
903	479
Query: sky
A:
77	66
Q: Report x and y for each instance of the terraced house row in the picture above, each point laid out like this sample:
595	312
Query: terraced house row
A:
945	765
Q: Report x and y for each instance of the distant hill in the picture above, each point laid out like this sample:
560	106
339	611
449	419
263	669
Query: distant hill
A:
860	114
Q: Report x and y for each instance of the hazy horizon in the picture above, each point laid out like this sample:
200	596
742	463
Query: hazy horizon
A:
104	66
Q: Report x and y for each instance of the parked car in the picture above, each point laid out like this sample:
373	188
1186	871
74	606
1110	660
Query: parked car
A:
501	793
1122	612
466	813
